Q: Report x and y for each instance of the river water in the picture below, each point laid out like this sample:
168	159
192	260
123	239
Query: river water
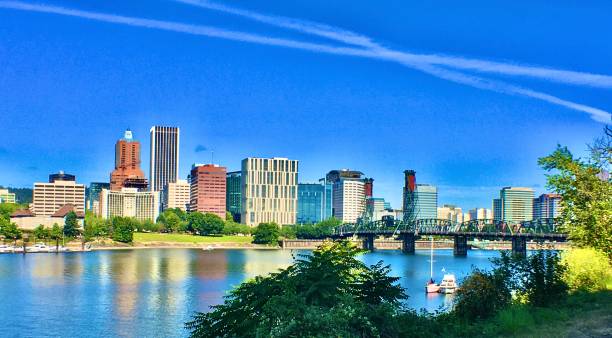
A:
152	292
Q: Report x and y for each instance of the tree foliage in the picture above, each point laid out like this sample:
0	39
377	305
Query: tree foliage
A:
586	192
42	233
482	294
266	233
123	229
71	225
319	230
587	269
205	224
9	230
328	293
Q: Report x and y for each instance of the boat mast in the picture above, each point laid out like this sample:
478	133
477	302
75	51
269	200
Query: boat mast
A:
431	259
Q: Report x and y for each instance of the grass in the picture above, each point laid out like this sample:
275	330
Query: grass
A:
185	238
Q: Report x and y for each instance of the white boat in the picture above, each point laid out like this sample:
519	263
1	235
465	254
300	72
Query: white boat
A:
38	247
431	286
448	284
6	248
208	248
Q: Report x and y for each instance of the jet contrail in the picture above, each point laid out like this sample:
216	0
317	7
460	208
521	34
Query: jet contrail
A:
373	53
349	37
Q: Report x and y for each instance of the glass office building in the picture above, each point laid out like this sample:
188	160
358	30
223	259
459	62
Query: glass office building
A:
426	201
234	194
314	202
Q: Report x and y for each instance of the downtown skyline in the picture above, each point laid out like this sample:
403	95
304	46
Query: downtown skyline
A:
327	111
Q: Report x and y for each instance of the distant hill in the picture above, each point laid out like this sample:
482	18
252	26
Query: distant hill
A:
22	195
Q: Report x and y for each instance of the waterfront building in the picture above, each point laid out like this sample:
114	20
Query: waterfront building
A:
129	202
312	203
466	217
208	188
377	208
233	195
480	213
93	196
48	198
515	205
177	195
164	160
27	220
547	206
348	194
6	196
450	212
269	190
409	197
426	201
127	173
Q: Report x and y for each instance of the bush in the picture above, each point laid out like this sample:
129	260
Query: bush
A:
233	228
288	231
587	269
482	295
266	233
123	229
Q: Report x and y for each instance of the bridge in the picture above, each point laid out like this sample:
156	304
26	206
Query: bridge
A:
520	233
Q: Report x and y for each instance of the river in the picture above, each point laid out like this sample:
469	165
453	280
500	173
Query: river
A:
152	292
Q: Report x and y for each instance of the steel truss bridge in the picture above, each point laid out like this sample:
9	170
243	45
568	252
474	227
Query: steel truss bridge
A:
519	233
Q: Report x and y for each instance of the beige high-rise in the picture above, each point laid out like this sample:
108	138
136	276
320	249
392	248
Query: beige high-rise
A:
176	195
48	198
269	190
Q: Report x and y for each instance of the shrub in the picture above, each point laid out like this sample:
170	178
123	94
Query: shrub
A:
233	228
482	295
123	229
266	233
587	269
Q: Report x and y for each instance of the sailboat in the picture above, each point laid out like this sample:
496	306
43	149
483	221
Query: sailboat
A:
431	286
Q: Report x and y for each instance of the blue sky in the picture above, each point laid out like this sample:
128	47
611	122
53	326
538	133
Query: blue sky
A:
467	95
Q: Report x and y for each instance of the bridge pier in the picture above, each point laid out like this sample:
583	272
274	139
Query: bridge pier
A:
519	246
368	242
460	247
408	241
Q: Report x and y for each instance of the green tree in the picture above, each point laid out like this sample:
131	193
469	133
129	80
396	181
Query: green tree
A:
233	228
586	205
211	225
266	233
327	294
71	225
57	233
482	295
42	233
10	230
172	220
123	229
587	269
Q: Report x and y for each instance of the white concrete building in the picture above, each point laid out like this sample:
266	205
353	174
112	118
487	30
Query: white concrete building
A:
129	202
480	213
6	196
48	198
451	213
269	190
176	195
348	200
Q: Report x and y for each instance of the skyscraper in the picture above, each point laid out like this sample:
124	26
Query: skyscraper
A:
177	195
547	206
269	190
311	203
480	213
515	205
409	199
207	193
233	196
127	171
426	201
164	156
93	196
348	194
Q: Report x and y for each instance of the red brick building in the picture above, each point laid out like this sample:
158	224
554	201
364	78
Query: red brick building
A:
127	171
208	186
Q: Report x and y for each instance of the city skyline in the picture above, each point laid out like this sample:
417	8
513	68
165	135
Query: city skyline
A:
313	107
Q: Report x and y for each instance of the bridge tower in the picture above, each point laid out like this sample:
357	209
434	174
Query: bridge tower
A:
408	240
368	242
410	197
519	245
460	246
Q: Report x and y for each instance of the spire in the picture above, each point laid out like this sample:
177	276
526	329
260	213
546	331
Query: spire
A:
127	135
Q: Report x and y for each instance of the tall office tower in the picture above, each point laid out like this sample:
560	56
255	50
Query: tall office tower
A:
348	194
480	213
409	199
515	204
208	188
368	187
93	196
130	202
497	210
547	206
127	173
48	198
328	189
177	195
164	156
6	196
233	196
426	201
311	203
450	212
269	190
377	209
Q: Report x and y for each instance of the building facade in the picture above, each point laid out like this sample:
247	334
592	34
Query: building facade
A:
348	194
450	212
164	160
233	195
93	196
6	196
311	203
377	208
480	214
130	202
127	173
208	189
426	201
547	206
515	205
177	195
48	198
269	190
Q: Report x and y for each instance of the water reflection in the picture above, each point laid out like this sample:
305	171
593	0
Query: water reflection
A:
152	292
